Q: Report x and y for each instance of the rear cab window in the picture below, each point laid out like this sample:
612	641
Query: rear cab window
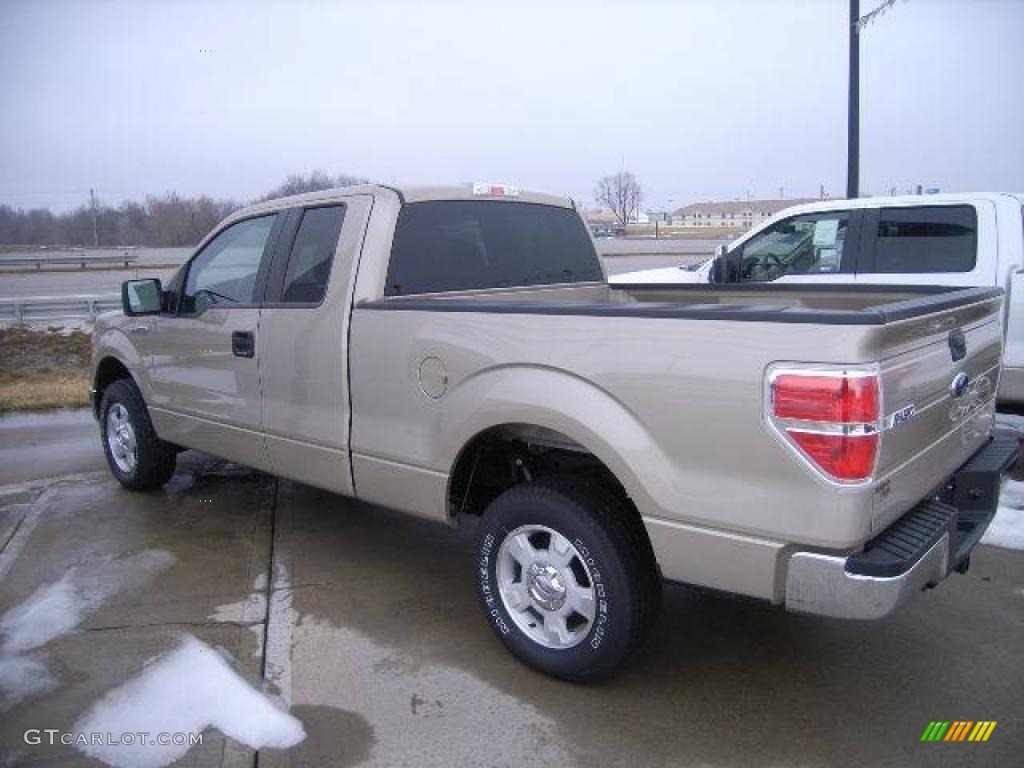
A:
458	245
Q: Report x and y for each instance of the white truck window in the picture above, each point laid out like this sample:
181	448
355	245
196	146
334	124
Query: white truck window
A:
801	245
934	238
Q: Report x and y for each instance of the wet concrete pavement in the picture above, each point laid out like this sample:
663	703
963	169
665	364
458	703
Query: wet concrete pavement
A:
49	444
365	622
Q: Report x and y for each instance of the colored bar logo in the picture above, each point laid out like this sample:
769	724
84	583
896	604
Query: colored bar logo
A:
958	730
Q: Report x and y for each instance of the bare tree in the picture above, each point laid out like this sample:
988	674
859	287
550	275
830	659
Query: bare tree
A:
296	184
168	219
622	194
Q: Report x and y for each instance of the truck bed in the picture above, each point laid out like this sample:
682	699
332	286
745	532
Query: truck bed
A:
670	379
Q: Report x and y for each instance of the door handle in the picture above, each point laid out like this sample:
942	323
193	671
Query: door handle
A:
140	328
243	344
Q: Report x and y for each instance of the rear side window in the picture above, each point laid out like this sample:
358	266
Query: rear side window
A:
938	238
473	244
309	265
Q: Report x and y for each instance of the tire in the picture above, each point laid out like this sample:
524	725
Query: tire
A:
530	597
139	459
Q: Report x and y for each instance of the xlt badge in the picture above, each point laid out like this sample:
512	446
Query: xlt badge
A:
903	415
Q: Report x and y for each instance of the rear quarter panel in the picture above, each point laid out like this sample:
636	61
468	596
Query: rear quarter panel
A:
673	407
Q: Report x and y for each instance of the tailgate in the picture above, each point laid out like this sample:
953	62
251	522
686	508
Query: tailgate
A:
939	375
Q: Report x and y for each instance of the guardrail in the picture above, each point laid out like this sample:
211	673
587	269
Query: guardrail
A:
39	308
52	260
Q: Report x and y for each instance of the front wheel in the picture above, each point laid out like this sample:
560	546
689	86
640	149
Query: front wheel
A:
139	459
566	576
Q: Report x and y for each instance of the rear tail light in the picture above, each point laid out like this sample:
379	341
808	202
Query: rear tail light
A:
831	418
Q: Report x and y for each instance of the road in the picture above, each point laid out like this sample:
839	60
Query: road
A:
91	281
40	445
619	256
366	623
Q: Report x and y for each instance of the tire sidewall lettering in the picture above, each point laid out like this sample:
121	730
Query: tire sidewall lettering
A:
602	617
487	591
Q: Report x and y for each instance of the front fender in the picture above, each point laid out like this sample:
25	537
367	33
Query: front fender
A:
110	341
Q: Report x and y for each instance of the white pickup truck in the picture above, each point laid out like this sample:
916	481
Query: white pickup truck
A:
953	240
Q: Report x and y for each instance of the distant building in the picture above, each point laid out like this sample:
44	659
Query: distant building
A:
737	214
603	223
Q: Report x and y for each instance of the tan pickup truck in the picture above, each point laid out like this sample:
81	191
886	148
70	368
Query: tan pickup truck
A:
456	353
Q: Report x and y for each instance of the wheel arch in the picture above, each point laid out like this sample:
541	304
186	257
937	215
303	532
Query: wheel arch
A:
115	357
108	370
554	410
517	444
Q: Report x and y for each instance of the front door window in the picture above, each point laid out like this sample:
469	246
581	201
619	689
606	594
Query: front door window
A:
800	245
225	270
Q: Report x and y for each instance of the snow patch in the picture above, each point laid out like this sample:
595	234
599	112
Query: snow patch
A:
21	677
52	610
252	611
1007	528
281	618
187	691
56	609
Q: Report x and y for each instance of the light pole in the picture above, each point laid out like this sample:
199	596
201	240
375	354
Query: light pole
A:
857	23
853	108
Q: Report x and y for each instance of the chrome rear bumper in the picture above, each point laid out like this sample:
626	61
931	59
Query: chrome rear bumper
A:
820	584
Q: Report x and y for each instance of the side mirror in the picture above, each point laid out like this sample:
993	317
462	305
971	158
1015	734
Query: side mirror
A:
720	251
141	297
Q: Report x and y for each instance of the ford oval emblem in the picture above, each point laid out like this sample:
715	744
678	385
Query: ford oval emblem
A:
958	385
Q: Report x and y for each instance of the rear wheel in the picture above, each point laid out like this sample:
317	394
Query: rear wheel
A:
138	458
566	576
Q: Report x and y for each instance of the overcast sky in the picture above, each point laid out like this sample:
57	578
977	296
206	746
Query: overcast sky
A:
702	100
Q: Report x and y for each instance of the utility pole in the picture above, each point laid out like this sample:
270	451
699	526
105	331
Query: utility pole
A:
782	191
95	225
853	109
